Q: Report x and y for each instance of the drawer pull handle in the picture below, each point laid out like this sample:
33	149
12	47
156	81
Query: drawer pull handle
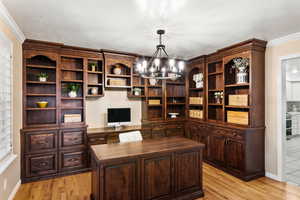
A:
43	164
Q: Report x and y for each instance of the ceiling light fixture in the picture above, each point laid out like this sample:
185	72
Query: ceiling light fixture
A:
159	66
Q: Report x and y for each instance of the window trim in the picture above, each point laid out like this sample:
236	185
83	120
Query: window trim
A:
10	157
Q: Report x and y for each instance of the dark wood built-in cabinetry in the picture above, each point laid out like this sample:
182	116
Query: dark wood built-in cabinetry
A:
233	134
237	148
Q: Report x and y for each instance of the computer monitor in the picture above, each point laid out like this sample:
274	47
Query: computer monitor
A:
118	116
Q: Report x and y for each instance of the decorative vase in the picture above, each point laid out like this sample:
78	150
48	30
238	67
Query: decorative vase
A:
136	93
198	79
241	66
241	77
93	68
152	81
72	94
94	91
42	79
117	70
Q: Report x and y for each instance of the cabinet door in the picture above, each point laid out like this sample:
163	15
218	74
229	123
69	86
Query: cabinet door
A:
217	149
157	177
73	160
38	165
175	130
203	138
193	132
158	131
188	170
235	153
120	181
38	142
72	138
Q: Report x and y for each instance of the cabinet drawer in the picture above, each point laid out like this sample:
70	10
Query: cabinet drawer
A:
237	134
37	165
175	131
146	133
72	138
97	140
73	160
37	142
158	133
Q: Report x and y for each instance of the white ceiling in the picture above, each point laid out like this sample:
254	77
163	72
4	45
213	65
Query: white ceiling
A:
193	27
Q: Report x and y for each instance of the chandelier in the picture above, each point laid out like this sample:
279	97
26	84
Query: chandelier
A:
160	66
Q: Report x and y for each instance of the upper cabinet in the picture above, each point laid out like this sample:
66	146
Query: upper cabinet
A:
118	70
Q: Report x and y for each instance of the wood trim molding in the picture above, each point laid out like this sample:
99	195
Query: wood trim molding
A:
281	40
14	191
8	20
273	176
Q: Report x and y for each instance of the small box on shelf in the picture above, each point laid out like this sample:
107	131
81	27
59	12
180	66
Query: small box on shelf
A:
238	100
196	114
154	101
196	100
117	82
71	118
238	117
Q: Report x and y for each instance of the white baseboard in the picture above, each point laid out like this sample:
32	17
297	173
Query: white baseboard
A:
273	176
14	191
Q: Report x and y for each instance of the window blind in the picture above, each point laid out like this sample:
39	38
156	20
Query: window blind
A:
5	96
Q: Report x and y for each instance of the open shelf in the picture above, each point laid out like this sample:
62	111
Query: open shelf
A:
41	83
94	72
118	76
72	81
40	95
41	66
37	90
238	85
72	70
95	79
215	73
48	108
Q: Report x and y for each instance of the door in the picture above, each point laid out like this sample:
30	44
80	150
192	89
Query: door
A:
217	149
235	154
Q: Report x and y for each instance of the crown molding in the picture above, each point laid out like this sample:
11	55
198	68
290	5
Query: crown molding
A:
7	19
281	40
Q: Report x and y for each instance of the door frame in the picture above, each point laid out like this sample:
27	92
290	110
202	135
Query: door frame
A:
281	118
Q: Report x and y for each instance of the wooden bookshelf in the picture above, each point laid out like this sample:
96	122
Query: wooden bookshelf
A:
95	78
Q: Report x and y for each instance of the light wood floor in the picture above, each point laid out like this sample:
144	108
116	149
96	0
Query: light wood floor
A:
217	186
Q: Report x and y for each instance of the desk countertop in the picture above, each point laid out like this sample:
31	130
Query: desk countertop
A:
107	152
113	130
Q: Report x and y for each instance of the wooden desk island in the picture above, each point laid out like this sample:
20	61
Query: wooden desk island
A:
166	168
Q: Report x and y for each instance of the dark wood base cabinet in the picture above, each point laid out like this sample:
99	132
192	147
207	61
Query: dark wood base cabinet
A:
238	151
159	169
53	152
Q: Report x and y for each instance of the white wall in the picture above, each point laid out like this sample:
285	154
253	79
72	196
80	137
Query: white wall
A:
276	50
11	176
96	110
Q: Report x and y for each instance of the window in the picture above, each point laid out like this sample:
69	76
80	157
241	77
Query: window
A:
5	99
